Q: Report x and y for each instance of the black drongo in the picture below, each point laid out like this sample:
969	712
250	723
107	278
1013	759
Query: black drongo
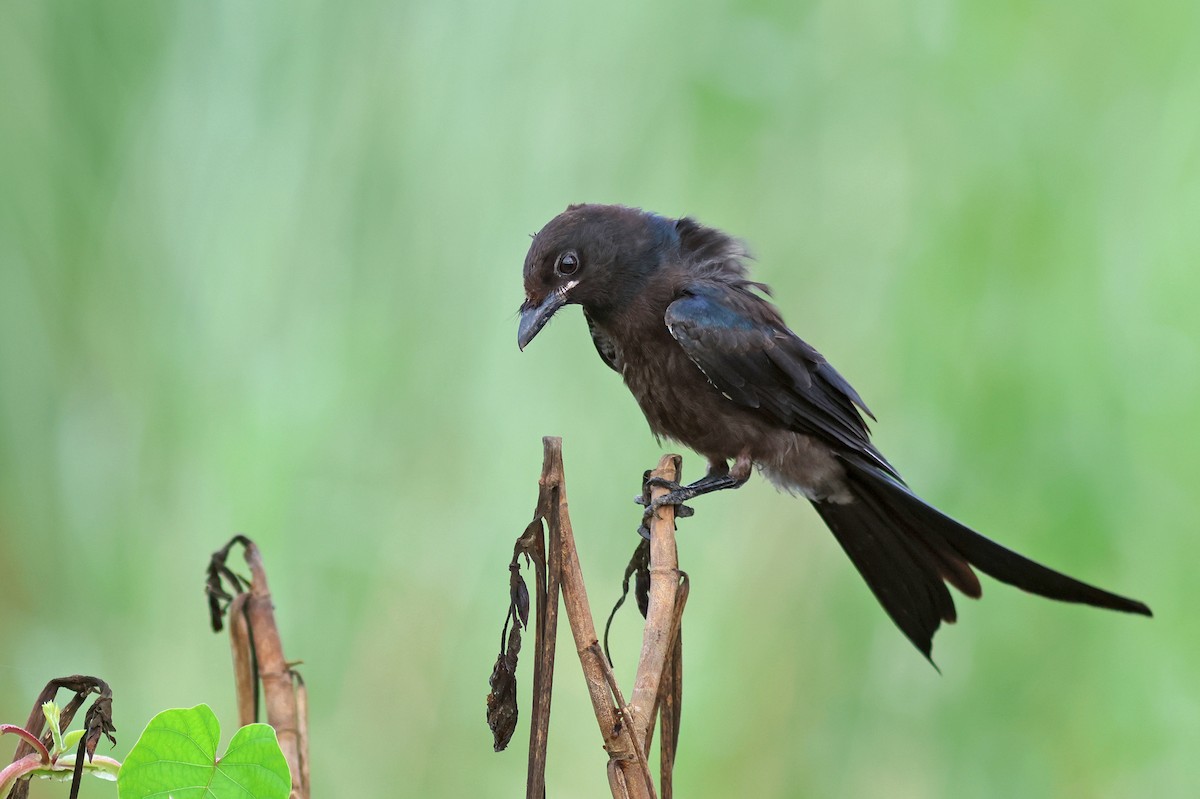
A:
713	366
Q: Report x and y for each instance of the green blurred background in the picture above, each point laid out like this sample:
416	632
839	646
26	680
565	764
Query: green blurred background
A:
259	267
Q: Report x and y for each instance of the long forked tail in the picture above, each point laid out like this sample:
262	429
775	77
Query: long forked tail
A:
907	551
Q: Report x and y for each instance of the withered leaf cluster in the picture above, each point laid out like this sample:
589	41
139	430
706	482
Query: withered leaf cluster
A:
98	722
502	701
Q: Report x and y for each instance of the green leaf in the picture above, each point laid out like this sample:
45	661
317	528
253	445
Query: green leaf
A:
52	713
70	739
177	757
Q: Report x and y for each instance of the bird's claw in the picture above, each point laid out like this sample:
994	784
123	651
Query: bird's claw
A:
662	482
681	512
649	482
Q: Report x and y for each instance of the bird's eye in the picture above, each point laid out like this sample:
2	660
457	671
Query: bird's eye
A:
567	263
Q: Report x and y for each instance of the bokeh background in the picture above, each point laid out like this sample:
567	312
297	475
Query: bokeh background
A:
259	267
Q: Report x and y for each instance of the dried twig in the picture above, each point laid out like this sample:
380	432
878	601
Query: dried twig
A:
618	738
625	728
660	616
258	650
670	695
625	710
549	586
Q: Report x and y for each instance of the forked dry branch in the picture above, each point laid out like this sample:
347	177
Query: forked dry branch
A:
626	728
258	656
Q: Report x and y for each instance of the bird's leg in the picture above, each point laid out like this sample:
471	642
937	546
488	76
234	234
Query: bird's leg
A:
719	477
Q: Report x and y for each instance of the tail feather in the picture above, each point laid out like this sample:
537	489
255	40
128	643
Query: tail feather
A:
905	549
904	579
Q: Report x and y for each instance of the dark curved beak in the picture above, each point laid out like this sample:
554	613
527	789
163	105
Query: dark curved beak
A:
535	316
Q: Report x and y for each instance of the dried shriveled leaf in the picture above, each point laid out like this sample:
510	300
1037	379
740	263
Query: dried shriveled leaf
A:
639	564
641	590
518	593
99	722
502	701
531	539
218	574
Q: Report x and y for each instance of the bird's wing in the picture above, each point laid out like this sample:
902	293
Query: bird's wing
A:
746	351
609	351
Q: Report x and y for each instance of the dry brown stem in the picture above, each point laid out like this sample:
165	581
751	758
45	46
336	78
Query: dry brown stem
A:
618	741
660	616
548	574
257	647
626	729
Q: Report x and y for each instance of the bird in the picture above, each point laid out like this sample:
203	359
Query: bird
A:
671	307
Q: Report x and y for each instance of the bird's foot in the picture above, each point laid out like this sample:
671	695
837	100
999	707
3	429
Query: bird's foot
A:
676	495
657	482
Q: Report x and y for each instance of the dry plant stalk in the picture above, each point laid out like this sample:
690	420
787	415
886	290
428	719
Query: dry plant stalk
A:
258	656
660	628
628	774
626	729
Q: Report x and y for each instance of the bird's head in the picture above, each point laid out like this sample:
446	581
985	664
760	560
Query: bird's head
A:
597	256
